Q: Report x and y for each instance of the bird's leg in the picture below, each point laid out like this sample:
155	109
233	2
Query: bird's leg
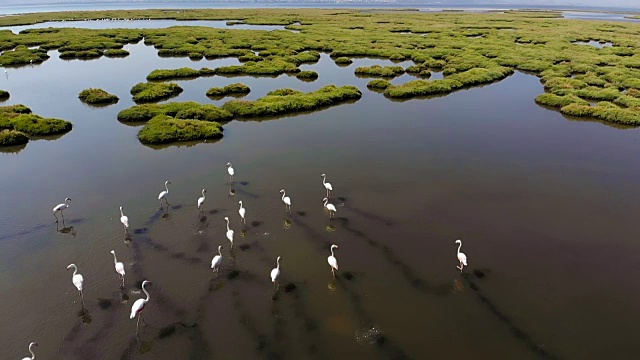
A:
333	272
56	216
62	213
138	324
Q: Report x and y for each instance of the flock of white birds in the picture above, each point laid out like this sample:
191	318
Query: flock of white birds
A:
139	305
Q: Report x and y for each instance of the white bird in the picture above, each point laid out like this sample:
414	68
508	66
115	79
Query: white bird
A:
215	262
333	262
201	199
242	211
60	207
119	266
462	258
124	220
77	279
163	194
230	171
329	207
229	232
275	273
138	306
326	184
33	356
286	200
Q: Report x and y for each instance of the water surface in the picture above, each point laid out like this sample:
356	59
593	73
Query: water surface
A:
545	205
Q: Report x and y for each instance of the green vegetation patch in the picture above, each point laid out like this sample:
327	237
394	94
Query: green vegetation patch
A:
116	53
17	122
307	75
267	67
476	76
179	110
12	138
22	55
169	74
343	60
604	111
4	95
380	71
378	84
154	91
285	102
559	101
237	88
164	129
97	96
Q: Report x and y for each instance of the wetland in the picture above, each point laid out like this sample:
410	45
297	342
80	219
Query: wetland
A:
526	153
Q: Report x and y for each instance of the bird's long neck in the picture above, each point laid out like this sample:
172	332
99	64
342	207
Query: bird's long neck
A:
228	225
115	260
33	356
240	204
283	194
121	213
332	251
145	291
75	270
459	246
203	195
278	263
166	187
220	250
325	202
324	178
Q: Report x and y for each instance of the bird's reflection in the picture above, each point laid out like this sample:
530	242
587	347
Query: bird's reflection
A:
166	213
84	314
66	229
124	297
332	285
127	239
329	227
286	223
243	233
458	286
232	190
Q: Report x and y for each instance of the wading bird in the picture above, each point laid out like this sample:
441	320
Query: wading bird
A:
333	262
275	273
330	207
326	184
163	194
33	356
60	207
77	280
201	199
119	266
229	232
215	262
230	171
242	211
124	220
462	258
138	306
286	200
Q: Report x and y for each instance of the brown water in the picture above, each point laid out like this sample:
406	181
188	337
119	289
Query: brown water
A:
546	207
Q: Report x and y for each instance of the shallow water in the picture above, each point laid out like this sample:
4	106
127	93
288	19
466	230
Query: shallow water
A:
546	207
139	24
594	43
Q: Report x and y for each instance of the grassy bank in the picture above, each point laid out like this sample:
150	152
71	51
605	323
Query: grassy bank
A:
150	92
288	101
97	96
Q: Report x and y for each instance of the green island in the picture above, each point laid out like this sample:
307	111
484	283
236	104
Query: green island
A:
18	124
4	95
97	96
470	49
178	110
231	89
154	91
164	129
307	75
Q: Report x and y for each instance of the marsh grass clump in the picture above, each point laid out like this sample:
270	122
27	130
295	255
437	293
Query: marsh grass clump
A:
180	110
381	71
378	84
476	76
343	61
97	96
558	101
163	129
22	55
116	53
12	138
152	91
17	121
4	95
604	111
283	103
237	88
266	67
307	75
169	74
284	92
